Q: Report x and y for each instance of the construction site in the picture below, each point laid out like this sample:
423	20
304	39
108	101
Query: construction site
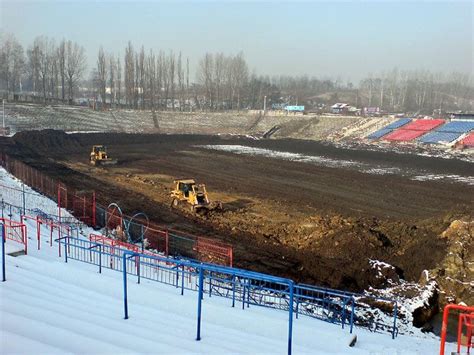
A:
321	211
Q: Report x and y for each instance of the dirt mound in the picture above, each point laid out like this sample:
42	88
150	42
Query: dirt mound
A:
455	274
47	140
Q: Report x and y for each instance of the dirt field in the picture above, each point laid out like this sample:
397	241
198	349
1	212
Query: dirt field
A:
315	221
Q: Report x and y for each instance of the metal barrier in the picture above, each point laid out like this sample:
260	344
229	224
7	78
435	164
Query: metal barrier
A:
465	310
15	231
241	286
2	228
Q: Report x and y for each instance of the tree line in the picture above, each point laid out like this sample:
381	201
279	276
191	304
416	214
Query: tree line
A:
144	79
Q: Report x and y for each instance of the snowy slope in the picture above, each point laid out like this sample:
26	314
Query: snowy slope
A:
49	306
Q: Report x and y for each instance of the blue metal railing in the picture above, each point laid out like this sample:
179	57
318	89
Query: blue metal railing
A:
246	287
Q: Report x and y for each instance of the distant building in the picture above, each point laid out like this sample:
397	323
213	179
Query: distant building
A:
462	115
339	108
371	111
345	109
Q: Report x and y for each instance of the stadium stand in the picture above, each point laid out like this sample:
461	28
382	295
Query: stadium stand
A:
469	140
403	135
413	130
438	137
380	133
397	124
423	125
457	127
448	132
389	128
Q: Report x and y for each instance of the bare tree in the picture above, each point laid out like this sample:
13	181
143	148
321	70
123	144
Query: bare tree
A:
112	83
150	70
180	74
129	74
102	75
75	66
205	77
240	75
119	82
12	63
62	67
171	76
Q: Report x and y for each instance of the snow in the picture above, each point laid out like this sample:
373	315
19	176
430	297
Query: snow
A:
49	306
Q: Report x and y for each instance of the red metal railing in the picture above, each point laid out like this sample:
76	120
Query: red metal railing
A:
16	232
465	310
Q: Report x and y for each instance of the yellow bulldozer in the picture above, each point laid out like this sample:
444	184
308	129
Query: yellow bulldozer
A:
195	195
99	156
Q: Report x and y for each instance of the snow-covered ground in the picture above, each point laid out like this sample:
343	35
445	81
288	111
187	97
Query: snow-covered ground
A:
48	306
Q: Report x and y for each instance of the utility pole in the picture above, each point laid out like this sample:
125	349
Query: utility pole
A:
3	111
264	104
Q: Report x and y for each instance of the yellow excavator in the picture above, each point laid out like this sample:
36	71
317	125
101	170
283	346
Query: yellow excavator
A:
195	195
99	156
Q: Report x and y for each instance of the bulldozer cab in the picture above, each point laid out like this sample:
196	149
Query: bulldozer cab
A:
186	187
99	148
99	156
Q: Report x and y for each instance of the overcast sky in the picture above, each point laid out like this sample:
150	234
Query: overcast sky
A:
325	39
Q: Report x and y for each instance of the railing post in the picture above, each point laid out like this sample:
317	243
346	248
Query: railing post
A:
233	290
210	283
352	314
182	281
137	261
297	302
100	258
243	294
66	244
124	272
200	295
394	321
93	209
460	321
290	317
248	292
3	253
38	232
24	201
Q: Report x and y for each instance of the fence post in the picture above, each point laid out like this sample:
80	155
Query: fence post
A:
59	201
93	209
167	240
233	290
100	258
24	231
182	281
352	314
3	253
290	317
38	232
297	302
394	321
66	244
137	261
24	202
124	272
200	295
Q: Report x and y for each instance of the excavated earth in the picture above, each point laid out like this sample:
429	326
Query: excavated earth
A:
316	223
